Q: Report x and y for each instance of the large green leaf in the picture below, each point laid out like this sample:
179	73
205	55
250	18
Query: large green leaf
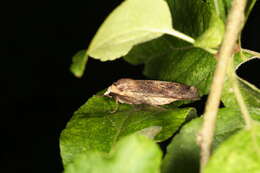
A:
239	154
168	58
95	128
132	22
183	153
191	66
192	17
132	154
173	60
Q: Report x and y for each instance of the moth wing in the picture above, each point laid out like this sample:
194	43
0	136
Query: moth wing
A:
162	89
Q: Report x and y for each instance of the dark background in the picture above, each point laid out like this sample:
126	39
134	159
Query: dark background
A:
39	94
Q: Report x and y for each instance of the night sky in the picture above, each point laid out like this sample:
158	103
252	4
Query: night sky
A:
39	94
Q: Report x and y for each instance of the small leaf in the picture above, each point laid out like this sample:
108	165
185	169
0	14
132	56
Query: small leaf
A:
240	153
212	37
95	128
132	154
250	93
183	153
199	20
132	22
79	61
249	7
222	7
150	132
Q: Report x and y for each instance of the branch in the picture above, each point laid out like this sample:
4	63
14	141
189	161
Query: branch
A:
242	105
234	25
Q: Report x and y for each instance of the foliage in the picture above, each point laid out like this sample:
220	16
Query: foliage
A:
97	127
176	41
183	151
240	153
132	154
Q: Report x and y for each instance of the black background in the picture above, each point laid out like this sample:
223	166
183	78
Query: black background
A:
39	94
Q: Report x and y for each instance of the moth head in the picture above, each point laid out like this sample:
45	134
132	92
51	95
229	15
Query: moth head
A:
194	93
107	92
119	87
125	83
110	90
115	88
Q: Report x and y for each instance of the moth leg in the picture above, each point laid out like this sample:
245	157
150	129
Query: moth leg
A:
117	106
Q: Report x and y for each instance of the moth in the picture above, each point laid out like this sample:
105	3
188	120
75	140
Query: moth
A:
150	92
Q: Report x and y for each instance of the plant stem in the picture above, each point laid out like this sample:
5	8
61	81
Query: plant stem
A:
187	38
212	51
180	35
233	27
239	97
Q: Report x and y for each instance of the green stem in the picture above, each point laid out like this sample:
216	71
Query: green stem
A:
212	51
187	38
180	35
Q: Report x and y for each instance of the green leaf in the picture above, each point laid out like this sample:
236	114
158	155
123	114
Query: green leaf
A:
150	132
132	22
249	7
183	153
79	61
132	154
180	63
199	20
222	7
168	58
95	128
212	37
240	153
192	67
250	93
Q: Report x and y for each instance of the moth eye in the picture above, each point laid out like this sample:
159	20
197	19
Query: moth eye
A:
193	89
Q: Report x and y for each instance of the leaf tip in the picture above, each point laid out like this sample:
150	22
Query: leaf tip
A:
79	61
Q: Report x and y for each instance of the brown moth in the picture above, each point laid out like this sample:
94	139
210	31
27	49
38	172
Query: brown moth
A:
150	92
